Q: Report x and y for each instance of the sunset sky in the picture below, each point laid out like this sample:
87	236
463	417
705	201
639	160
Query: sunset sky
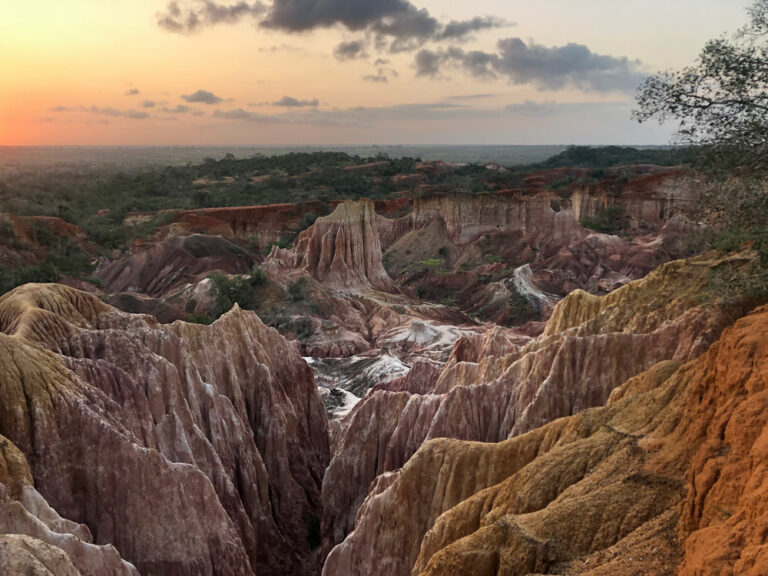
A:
294	72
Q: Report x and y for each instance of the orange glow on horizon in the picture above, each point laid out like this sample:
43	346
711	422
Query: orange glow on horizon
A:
67	67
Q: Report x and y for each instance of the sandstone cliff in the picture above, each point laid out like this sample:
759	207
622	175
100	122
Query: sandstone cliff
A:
191	449
493	389
34	539
603	492
167	264
341	250
264	224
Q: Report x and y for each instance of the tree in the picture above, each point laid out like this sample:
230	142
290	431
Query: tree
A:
721	102
721	105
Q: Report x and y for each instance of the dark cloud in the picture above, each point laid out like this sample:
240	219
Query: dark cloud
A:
376	78
547	68
395	25
148	104
382	74
179	109
351	50
244	115
130	114
282	48
428	62
192	16
471	96
132	92
290	102
305	15
202	97
460	29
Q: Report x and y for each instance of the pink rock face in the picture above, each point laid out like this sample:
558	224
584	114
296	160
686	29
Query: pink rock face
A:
264	223
35	539
165	265
467	217
191	449
341	250
491	389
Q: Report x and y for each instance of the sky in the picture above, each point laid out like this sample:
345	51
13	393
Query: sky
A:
341	72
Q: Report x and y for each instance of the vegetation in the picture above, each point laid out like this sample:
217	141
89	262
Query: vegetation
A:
599	158
298	290
612	220
521	310
228	291
303	328
65	257
431	263
721	105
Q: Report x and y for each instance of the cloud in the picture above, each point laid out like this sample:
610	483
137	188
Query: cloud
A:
418	115
395	25
148	104
244	115
132	92
194	16
282	48
202	97
460	29
471	96
546	68
376	78
350	50
550	108
179	109
130	114
428	62
382	74
290	102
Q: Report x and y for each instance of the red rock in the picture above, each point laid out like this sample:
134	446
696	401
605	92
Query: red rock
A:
590	346
341	250
145	432
601	492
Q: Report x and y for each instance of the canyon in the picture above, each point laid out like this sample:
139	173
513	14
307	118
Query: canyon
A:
436	383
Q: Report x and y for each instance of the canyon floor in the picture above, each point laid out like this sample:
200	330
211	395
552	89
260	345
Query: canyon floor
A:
534	380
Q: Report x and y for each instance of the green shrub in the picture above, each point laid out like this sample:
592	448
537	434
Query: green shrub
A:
431	263
298	289
65	258
282	243
238	290
199	319
612	220
6	231
303	328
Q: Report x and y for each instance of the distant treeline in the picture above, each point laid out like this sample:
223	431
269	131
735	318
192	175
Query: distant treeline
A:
604	157
98	200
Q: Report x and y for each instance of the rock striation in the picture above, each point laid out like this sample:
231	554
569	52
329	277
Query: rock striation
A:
145	432
667	475
34	539
493	389
173	262
341	250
